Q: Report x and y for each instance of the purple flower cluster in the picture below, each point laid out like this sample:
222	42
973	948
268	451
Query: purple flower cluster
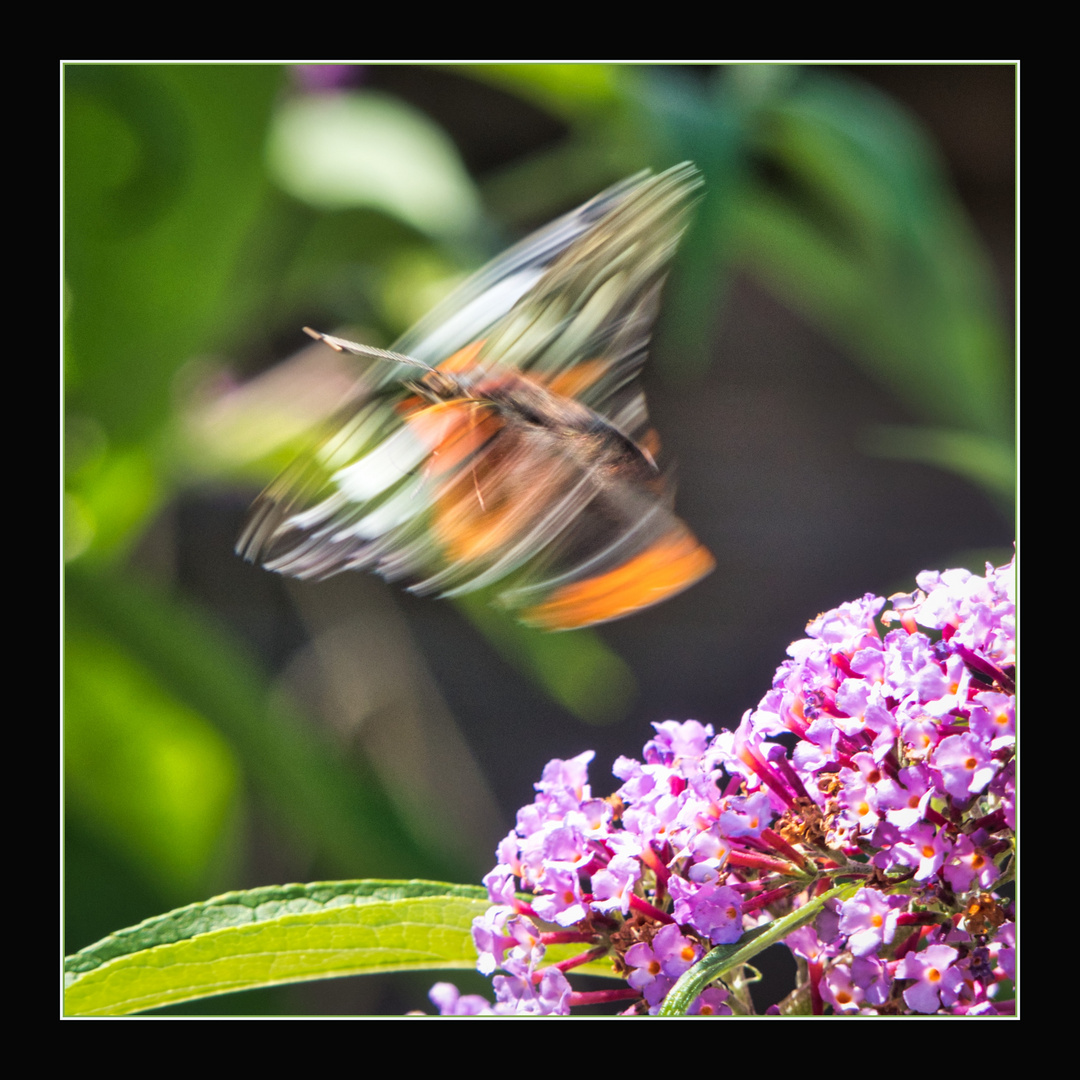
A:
878	770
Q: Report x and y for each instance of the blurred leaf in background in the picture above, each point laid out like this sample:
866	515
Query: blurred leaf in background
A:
224	730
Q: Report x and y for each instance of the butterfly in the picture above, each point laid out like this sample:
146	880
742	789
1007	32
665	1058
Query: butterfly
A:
504	442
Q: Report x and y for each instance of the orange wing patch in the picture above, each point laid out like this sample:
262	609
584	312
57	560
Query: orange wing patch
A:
497	499
672	564
462	361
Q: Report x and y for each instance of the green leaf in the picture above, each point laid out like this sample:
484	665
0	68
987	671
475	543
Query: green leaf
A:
164	183
144	769
864	234
370	149
274	935
988	462
341	810
572	92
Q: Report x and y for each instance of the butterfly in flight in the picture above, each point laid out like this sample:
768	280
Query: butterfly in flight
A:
504	442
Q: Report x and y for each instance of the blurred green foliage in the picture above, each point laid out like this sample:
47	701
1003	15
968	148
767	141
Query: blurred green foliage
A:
211	209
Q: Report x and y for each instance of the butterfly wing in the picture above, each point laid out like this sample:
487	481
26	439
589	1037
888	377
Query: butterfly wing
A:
586	325
525	466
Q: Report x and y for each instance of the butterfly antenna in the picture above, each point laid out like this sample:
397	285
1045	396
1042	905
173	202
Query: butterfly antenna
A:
342	345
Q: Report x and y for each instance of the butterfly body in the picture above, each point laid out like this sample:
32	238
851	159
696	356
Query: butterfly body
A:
527	404
521	458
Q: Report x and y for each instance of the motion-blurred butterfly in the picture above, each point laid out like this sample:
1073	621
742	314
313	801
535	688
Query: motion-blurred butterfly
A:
506	444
